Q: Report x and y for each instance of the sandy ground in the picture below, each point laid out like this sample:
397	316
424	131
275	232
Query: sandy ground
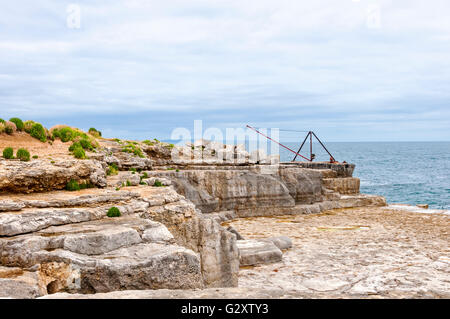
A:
365	252
34	146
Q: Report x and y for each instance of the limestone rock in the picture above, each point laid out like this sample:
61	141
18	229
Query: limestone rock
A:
158	234
18	289
216	246
151	181
234	231
345	186
348	201
256	252
41	175
19	283
9	206
282	242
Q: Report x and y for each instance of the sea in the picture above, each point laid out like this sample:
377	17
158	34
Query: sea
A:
403	172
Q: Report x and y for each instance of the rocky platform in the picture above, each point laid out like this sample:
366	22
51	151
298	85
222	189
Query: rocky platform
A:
67	243
169	235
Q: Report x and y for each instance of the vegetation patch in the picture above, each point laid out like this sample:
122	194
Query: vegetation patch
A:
169	146
113	169
133	149
158	183
23	154
8	153
66	134
10	127
27	125
73	185
113	212
37	131
18	122
79	153
94	132
148	142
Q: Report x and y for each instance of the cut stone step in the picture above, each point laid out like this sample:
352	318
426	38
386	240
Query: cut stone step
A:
282	242
257	252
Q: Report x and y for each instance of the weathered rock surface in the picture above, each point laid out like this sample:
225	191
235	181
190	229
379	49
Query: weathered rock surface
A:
19	284
344	186
367	252
211	293
234	231
282	242
41	175
257	252
191	229
79	249
349	201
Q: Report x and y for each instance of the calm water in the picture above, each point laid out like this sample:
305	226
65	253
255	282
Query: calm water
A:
403	172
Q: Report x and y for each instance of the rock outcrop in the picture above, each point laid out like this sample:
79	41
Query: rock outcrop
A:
80	249
41	175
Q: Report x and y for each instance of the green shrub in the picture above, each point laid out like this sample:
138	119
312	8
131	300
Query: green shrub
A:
86	144
157	184
18	122
35	156
74	146
145	175
112	170
27	125
94	132
23	155
113	212
86	185
10	127
128	183
37	131
66	134
73	185
8	153
177	170
79	153
2	121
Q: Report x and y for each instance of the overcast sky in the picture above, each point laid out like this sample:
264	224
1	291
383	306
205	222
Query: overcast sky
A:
367	70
